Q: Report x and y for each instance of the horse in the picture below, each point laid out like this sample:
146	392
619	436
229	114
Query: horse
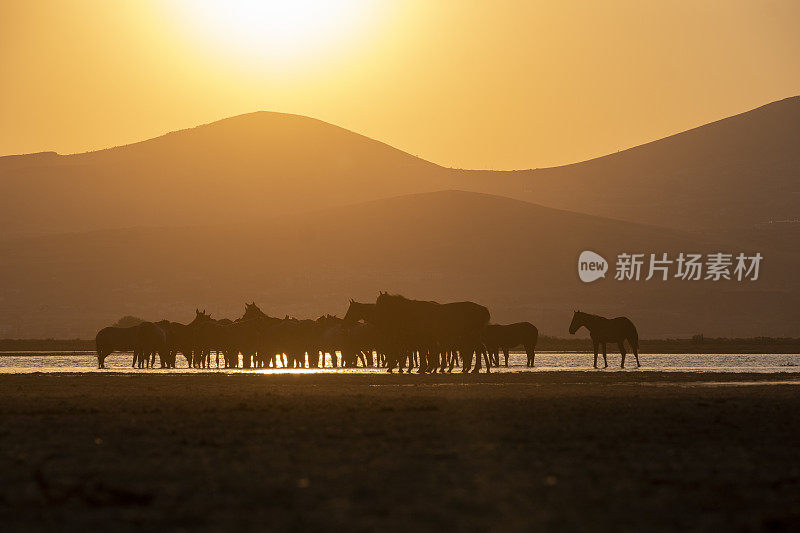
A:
180	338
113	339
150	340
429	327
145	340
212	335
603	330
361	340
292	338
251	311
332	337
375	336
498	337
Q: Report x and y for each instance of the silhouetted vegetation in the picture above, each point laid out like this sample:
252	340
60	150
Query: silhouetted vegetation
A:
128	321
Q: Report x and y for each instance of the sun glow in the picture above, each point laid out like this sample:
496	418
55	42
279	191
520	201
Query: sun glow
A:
287	32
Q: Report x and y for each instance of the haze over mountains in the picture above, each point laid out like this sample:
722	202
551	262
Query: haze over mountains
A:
516	257
300	215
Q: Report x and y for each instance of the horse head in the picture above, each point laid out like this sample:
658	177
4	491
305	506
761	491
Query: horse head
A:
577	322
251	310
356	311
200	316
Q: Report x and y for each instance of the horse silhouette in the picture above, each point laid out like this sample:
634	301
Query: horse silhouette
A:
114	339
145	340
332	335
180	338
211	336
151	340
603	330
366	331
498	337
430	329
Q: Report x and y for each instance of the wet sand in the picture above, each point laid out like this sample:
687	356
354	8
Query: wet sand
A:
555	450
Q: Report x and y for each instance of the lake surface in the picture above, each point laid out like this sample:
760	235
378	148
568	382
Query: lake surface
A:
86	361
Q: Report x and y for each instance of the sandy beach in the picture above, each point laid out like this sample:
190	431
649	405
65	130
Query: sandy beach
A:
577	450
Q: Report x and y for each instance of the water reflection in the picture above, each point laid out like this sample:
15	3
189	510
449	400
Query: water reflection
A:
86	361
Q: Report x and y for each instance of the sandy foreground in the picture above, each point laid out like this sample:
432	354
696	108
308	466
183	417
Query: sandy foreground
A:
555	450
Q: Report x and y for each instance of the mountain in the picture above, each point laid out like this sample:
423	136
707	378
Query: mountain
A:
740	174
517	258
240	169
735	178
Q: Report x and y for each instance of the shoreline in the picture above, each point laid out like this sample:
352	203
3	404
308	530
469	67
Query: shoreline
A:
581	346
306	377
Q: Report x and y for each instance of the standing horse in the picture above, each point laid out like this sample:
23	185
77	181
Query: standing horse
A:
151	340
498	337
376	336
603	330
113	339
431	327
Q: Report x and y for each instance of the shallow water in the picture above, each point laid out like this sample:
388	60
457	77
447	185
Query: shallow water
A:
86	361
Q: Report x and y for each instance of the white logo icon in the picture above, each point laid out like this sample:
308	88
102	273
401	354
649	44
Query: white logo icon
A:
591	266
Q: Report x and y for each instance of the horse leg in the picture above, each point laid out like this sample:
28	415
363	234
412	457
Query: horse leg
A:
636	354
101	358
478	353
621	345
531	352
596	346
605	359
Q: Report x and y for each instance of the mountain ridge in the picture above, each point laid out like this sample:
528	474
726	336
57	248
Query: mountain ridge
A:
728	177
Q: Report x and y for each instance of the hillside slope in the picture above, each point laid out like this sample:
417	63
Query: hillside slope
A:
741	173
517	258
239	169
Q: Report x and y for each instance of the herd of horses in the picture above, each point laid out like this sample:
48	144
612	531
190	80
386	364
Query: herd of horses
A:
394	333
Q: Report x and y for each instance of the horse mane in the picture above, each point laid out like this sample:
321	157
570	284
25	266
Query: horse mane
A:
386	297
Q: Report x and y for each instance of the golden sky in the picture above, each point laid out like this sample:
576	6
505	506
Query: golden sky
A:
466	83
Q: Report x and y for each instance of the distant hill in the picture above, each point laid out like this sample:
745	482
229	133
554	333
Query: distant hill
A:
240	169
740	175
736	177
516	257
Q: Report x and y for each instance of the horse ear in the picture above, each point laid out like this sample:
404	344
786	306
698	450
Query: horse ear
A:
351	300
